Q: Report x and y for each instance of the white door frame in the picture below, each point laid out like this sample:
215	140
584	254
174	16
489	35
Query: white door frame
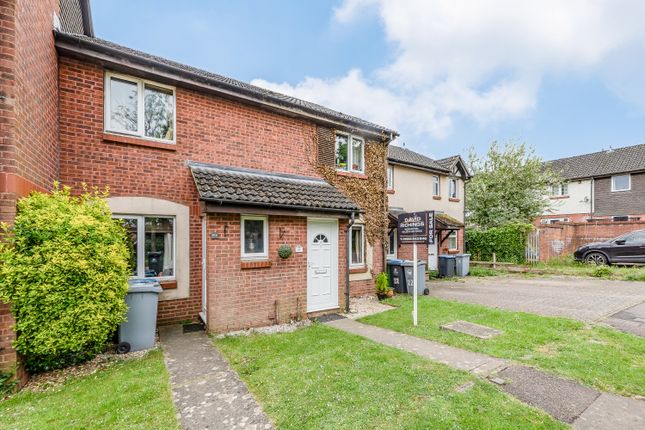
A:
204	311
333	223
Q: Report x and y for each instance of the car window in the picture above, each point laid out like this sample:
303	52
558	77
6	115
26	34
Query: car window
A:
636	237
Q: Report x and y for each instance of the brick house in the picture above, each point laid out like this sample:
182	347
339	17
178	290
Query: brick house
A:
210	175
419	183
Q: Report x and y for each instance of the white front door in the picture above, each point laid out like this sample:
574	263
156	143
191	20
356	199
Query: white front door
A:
322	264
433	258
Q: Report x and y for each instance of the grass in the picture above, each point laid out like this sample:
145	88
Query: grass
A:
567	266
322	378
133	394
601	357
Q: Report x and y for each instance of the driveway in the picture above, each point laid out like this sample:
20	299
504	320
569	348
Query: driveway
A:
616	303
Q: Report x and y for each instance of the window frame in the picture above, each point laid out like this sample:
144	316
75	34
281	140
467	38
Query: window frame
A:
436	180
390	177
456	237
350	152
629	183
141	86
141	244
351	238
390	254
452	181
256	255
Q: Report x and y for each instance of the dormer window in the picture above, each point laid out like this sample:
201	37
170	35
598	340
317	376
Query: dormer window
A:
139	108
350	153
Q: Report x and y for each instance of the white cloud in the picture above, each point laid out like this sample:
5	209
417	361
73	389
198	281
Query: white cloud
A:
481	59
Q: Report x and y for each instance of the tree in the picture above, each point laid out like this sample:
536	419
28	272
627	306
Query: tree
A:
508	186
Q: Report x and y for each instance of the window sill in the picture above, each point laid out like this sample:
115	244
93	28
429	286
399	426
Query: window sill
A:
168	285
453	251
390	191
259	264
453	199
351	174
558	197
138	141
358	269
436	197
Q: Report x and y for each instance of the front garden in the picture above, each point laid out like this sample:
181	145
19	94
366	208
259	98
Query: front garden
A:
597	356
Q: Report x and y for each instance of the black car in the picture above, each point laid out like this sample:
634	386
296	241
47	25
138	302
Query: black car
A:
626	249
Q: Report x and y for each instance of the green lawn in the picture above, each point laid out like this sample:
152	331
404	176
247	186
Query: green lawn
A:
322	378
601	357
134	394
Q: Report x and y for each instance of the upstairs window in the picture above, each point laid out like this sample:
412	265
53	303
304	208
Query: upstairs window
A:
559	190
453	189
436	187
139	108
350	153
390	177
621	183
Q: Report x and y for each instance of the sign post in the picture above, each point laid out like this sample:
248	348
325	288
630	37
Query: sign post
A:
414	228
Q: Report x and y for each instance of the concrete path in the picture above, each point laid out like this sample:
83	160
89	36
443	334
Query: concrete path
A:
208	394
565	400
585	299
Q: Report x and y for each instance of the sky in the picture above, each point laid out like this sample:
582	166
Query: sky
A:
565	77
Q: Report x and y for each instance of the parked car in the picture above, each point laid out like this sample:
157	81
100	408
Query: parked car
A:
626	249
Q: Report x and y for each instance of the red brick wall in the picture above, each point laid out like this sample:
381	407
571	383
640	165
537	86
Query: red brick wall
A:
563	238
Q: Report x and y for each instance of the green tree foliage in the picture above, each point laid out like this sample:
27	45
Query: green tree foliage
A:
508	242
508	186
64	269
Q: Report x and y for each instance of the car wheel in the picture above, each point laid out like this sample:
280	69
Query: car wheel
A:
596	258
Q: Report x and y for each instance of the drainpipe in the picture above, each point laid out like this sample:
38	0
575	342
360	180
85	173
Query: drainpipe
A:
348	256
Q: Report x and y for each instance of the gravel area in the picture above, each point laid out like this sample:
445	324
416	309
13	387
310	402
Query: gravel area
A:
360	307
270	329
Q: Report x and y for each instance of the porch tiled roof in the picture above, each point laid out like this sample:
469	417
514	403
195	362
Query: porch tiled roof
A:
231	185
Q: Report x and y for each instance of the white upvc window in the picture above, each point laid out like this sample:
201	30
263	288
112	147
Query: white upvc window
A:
436	186
391	244
453	191
139	107
452	241
350	153
621	183
254	237
153	240
560	190
357	238
390	177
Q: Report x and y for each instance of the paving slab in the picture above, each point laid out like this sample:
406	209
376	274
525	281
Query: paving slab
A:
631	320
207	392
612	412
563	399
473	362
472	329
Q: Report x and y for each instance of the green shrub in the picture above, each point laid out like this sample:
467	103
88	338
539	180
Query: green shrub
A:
636	275
602	272
382	283
508	242
64	270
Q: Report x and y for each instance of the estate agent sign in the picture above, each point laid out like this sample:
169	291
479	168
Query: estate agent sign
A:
416	227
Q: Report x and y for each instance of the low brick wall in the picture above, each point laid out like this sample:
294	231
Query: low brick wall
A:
563	238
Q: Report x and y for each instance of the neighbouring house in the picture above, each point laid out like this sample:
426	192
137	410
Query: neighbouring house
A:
210	175
605	185
601	197
419	183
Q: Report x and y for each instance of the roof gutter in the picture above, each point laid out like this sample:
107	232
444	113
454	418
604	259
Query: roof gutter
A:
71	45
418	166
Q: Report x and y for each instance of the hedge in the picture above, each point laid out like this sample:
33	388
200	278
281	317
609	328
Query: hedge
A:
507	242
64	268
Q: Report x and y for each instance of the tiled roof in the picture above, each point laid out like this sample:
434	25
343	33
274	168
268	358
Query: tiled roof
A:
603	163
259	188
448	221
230	84
401	155
448	161
72	19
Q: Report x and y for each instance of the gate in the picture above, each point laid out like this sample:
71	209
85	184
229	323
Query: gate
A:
532	253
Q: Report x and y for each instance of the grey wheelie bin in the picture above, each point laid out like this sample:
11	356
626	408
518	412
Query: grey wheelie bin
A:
138	332
462	264
396	275
447	266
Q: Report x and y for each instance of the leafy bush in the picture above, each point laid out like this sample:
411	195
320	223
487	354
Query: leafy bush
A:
508	242
637	275
382	283
64	270
602	272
